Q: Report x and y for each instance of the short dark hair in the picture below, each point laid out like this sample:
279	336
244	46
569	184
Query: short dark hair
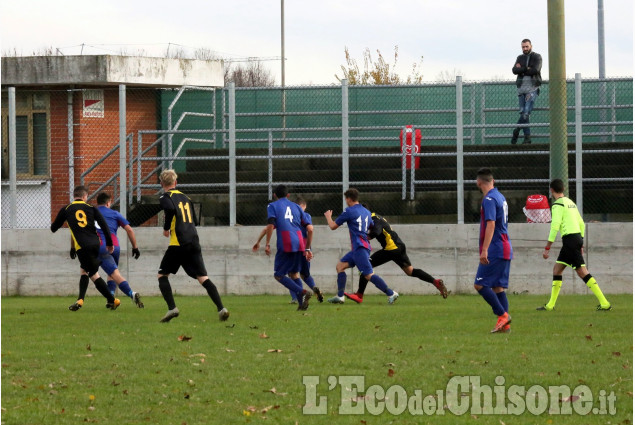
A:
103	198
281	191
526	40
80	192
485	174
352	194
557	185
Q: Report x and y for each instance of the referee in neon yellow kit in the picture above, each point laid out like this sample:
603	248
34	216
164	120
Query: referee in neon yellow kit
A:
566	219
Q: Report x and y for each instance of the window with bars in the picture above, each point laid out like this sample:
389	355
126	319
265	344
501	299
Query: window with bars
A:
32	130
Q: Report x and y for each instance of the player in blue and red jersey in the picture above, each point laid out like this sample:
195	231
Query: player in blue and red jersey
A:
305	267
495	248
359	221
110	262
286	218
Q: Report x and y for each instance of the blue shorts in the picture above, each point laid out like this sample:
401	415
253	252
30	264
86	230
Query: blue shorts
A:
495	274
287	262
109	262
305	267
360	258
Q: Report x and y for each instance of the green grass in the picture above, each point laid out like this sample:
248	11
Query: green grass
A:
55	361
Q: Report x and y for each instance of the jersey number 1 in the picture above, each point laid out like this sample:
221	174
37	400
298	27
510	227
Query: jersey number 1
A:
186	218
359	221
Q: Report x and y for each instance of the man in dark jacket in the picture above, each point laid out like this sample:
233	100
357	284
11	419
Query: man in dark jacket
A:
528	80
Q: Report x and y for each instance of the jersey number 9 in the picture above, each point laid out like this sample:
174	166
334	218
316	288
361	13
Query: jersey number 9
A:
81	218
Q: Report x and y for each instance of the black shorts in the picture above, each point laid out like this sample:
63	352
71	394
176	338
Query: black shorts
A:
398	255
187	256
571	252
88	257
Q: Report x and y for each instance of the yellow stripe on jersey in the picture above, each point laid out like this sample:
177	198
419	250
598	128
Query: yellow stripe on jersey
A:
390	244
173	238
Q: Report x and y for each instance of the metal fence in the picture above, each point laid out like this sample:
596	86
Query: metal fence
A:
231	146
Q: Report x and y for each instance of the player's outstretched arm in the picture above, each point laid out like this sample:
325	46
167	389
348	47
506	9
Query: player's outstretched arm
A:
329	220
256	246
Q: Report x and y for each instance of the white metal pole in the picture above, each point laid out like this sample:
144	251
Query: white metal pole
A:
123	190
459	151
345	151
232	154
13	187
71	146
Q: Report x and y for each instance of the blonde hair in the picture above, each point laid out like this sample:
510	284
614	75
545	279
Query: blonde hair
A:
168	177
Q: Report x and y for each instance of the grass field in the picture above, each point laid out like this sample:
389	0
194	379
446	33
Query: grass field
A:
123	367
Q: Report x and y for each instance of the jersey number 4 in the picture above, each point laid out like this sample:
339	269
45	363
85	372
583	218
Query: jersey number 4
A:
288	215
185	212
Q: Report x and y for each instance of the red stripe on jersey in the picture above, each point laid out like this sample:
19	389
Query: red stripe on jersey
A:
302	242
507	247
286	241
364	243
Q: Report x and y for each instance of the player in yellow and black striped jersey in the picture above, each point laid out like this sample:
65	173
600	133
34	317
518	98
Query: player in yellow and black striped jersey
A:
393	249
184	249
81	218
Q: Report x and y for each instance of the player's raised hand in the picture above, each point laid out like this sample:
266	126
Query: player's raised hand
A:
328	214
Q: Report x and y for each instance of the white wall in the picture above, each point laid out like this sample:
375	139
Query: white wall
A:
36	262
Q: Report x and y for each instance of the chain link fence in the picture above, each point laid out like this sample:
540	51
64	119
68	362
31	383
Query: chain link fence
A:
231	147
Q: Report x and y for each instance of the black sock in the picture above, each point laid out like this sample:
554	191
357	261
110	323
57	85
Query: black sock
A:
102	287
213	293
422	275
83	286
362	284
166	291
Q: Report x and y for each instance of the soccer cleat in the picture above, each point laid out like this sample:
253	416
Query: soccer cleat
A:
336	300
171	314
293	301
318	294
600	308
223	314
393	297
355	297
304	305
502	321
113	305
438	283
76	305
136	298
545	308
507	329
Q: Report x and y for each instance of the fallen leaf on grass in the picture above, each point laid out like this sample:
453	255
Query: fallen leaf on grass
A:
268	408
263	335
253	327
88	347
198	355
274	350
184	338
588	337
274	391
229	350
391	373
617	353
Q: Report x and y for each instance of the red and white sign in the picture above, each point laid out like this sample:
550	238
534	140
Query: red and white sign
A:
93	103
416	146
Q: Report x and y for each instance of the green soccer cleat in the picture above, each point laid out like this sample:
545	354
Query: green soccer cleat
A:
223	314
600	308
336	300
171	314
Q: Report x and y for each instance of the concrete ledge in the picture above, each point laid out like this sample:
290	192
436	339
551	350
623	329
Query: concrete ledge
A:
36	262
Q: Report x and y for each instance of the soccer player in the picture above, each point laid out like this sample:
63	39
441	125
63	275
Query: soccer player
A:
495	248
392	249
81	217
305	268
184	249
566	219
110	262
359	221
287	218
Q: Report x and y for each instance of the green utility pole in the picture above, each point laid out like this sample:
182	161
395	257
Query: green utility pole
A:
558	160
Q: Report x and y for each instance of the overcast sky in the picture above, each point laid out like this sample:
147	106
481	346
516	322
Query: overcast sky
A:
479	38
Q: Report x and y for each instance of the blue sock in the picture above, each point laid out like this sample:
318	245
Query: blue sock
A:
293	296
490	297
381	285
291	285
298	281
112	287
125	288
502	298
341	283
309	281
